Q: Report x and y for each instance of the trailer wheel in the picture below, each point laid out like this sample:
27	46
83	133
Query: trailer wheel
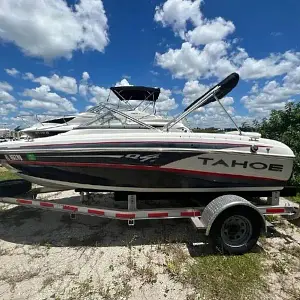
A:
16	187
235	231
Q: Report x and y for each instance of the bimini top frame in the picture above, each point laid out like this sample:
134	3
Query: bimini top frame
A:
214	94
140	93
126	93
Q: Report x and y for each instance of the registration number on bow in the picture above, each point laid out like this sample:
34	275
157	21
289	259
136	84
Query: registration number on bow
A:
14	157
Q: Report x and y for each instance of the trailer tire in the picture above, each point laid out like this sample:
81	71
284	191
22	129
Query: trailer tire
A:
16	187
235	231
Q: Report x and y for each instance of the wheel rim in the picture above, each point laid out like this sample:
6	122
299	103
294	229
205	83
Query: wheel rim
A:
236	231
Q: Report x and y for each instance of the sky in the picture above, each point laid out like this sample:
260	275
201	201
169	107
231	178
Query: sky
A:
60	57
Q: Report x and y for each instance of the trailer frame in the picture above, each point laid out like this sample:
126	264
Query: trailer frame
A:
235	208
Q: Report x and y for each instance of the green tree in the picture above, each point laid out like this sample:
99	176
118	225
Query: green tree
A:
284	126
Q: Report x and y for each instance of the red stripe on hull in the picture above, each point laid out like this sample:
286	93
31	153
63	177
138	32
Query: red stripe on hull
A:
135	167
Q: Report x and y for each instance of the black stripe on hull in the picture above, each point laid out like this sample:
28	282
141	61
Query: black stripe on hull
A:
141	158
138	178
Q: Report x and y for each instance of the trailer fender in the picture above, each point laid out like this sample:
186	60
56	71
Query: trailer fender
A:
224	203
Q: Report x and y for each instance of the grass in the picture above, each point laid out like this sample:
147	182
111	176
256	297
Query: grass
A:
219	276
229	277
7	175
295	199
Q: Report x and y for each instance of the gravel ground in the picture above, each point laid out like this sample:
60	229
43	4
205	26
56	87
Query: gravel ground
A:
45	255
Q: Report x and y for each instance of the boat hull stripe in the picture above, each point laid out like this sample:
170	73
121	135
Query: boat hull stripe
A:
136	167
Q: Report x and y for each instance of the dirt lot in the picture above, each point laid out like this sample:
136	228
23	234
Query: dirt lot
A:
45	255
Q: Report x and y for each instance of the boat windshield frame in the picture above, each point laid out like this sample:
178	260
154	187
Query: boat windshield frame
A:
112	111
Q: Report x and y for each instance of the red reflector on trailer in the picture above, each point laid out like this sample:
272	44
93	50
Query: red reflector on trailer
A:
125	216
190	214
23	201
158	215
46	204
275	210
96	212
70	207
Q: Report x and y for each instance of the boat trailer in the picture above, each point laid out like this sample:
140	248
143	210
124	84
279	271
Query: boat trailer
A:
233	223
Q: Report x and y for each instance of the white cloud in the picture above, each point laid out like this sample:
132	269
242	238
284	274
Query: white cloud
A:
215	59
205	53
274	65
165	101
210	31
216	120
85	76
38	92
38	104
64	84
100	94
12	72
123	82
4	86
273	95
83	86
6	97
193	90
190	62
176	13
28	76
83	89
42	98
51	28
292	79
6	108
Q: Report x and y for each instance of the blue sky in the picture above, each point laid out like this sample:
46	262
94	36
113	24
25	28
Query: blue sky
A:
181	46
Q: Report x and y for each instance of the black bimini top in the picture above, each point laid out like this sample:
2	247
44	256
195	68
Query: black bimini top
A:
136	93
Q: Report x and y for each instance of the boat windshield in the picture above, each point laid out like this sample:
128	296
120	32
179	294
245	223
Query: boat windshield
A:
110	115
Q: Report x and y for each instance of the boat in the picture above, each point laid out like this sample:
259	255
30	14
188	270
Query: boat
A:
126	95
154	159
